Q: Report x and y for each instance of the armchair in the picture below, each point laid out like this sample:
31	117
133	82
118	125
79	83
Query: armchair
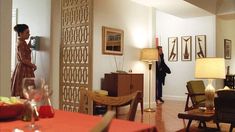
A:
196	92
112	102
225	107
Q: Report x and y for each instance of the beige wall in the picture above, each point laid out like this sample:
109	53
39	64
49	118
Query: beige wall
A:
5	47
37	15
183	71
225	26
135	20
126	15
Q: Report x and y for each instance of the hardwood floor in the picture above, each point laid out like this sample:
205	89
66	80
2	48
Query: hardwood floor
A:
166	120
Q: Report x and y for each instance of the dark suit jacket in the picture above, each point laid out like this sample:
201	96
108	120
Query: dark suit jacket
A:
162	69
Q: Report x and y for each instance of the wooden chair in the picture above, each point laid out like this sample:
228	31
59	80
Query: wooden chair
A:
103	126
113	102
196	92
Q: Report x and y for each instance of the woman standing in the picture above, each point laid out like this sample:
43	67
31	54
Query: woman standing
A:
24	67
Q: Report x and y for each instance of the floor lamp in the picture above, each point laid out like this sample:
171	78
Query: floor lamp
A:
210	68
149	55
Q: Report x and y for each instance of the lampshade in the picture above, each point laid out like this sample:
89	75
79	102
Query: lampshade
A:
210	68
149	54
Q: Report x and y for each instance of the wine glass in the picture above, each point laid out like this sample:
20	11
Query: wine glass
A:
32	90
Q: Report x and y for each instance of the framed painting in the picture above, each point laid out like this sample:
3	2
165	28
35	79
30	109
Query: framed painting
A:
186	48
200	46
227	49
172	49
112	41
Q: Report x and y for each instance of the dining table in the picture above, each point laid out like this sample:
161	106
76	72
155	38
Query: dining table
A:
65	121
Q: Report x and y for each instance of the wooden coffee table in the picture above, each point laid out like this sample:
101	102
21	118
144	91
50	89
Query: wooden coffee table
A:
198	115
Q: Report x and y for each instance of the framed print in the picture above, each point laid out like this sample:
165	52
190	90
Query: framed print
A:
200	46
112	41
186	48
172	49
227	49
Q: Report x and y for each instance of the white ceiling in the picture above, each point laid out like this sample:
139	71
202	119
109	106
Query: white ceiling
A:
191	8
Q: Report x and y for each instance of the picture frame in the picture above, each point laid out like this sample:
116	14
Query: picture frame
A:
173	49
112	41
186	48
200	46
227	49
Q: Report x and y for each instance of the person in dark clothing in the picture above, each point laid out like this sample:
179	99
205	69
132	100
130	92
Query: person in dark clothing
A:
161	70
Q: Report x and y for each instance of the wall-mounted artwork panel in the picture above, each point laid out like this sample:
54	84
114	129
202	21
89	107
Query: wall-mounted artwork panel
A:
200	46
227	49
186	48
172	49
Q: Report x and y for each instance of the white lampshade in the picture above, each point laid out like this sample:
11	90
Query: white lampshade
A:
210	68
149	54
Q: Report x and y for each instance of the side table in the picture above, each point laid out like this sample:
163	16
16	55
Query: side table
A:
198	115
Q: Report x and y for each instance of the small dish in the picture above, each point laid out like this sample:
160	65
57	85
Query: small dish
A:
11	111
202	109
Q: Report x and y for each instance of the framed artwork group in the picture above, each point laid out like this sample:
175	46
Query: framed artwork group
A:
186	48
200	48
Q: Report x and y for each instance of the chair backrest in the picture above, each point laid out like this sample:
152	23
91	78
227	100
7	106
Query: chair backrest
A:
103	126
196	93
196	87
225	107
111	102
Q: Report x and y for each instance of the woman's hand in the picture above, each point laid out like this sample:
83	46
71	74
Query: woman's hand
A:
34	67
29	43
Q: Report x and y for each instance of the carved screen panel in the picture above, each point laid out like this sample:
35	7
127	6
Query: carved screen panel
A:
75	52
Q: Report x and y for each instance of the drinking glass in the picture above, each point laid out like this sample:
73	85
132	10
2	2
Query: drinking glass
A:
32	89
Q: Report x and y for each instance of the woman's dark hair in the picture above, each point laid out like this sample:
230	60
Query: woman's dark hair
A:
19	28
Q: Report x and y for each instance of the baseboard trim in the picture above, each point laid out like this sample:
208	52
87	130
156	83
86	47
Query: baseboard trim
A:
166	97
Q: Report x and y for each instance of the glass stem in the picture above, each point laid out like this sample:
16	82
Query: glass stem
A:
32	117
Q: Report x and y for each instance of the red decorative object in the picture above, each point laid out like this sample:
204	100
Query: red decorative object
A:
46	111
157	42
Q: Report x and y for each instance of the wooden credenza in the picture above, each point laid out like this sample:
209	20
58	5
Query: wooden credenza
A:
120	84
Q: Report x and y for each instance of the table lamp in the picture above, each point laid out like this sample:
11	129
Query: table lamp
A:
210	68
149	55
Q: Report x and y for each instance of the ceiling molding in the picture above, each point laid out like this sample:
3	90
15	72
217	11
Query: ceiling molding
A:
191	8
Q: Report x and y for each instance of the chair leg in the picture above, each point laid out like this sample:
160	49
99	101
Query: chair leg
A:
188	126
186	108
200	125
116	108
231	127
218	127
142	107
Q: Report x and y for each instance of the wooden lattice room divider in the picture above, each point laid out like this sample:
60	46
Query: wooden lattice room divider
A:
75	51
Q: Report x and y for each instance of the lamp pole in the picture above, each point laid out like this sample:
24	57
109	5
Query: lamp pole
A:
149	55
149	109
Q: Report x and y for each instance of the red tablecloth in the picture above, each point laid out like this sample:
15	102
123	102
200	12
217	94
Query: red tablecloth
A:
73	122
